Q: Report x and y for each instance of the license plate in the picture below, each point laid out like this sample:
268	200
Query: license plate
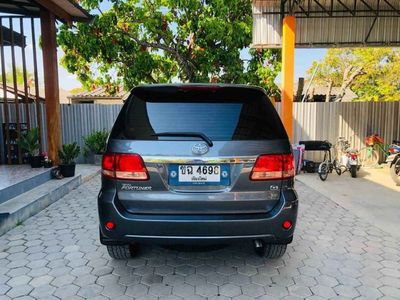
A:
198	174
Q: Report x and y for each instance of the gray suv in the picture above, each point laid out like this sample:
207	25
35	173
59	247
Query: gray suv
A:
197	164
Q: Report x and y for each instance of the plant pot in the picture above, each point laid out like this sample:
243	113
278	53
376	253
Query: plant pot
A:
36	161
97	159
48	164
67	170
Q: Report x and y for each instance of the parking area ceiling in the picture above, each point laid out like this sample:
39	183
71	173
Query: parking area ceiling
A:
328	23
65	10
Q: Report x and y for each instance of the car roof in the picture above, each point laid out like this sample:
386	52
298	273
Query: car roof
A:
196	86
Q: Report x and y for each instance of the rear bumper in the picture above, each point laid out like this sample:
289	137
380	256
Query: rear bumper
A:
196	229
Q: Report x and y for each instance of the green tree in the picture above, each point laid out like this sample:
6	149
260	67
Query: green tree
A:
372	73
157	41
19	73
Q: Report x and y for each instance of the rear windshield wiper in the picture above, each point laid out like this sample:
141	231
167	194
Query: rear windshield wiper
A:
187	134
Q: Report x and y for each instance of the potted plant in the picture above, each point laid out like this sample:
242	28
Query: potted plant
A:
30	143
95	144
47	162
67	156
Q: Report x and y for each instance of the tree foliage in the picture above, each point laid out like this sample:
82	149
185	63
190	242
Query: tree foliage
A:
19	76
158	41
372	73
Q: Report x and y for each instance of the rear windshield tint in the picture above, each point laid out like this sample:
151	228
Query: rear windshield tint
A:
220	119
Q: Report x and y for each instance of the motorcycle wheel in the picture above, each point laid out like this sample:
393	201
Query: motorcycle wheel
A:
395	172
323	171
353	171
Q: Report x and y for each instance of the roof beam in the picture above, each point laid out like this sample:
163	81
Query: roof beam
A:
370	29
322	7
346	8
392	6
58	11
368	6
21	6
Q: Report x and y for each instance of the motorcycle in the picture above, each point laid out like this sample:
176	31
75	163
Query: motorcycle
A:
348	157
394	161
351	162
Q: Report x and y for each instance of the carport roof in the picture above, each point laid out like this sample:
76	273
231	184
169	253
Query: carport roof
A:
328	23
65	10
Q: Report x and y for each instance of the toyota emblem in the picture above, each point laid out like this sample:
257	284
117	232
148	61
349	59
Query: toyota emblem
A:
200	149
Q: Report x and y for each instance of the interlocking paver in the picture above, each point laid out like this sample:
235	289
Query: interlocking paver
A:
41	280
90	291
19	291
206	290
336	255
253	290
19	280
160	290
183	290
230	290
43	291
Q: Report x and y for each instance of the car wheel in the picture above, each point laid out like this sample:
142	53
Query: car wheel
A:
275	250
121	251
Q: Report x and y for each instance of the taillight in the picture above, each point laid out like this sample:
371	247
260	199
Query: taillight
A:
124	166
107	164
353	156
272	167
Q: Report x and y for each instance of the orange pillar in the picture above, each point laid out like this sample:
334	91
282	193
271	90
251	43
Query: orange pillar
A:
288	44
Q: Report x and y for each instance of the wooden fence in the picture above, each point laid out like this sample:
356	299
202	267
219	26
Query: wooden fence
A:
312	121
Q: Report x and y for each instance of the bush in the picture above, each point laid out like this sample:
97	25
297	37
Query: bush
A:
69	153
30	142
95	143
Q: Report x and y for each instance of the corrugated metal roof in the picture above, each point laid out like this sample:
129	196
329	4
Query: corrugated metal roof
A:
329	23
10	94
32	8
320	90
99	93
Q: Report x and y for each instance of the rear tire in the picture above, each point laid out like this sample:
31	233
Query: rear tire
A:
121	251
353	171
275	250
323	171
271	251
395	172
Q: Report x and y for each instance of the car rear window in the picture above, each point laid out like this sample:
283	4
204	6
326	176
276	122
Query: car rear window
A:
221	119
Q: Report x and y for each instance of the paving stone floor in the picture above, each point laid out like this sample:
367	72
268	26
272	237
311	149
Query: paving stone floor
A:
335	255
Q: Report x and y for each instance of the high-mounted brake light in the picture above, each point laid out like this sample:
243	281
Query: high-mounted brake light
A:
124	166
273	167
206	87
